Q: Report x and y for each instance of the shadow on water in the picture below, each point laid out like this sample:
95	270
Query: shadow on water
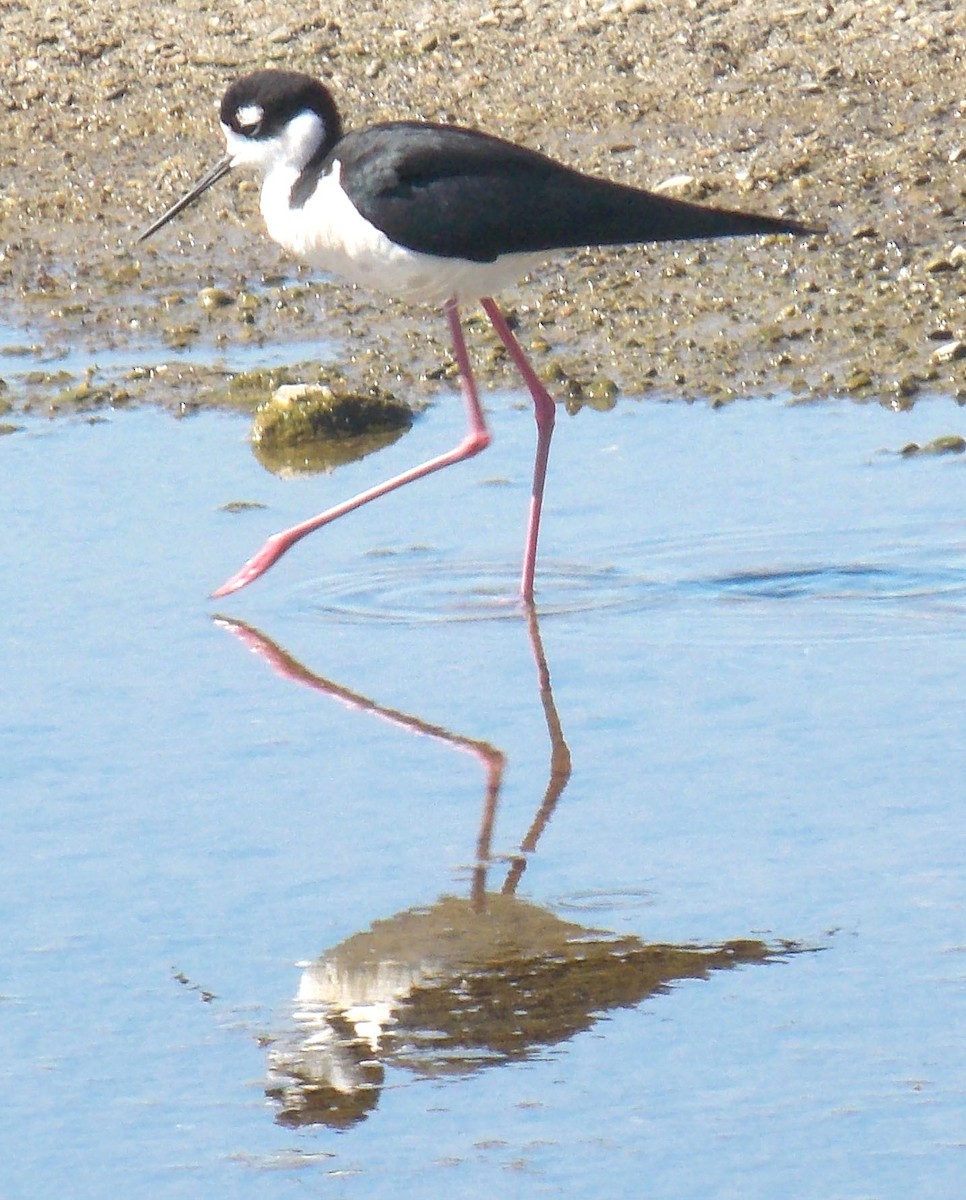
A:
450	988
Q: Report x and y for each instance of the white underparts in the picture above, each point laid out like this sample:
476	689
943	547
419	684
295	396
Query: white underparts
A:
330	233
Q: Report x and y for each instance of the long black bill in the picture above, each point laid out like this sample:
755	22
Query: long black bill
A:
217	172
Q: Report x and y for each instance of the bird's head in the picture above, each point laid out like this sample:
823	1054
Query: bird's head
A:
270	119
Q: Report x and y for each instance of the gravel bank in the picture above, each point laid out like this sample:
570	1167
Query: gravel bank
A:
848	115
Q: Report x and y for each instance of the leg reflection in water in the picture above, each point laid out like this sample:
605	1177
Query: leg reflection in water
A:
461	984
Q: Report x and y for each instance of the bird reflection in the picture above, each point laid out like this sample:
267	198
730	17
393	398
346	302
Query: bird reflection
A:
464	983
492	759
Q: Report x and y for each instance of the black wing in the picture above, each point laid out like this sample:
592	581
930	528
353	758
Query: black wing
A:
459	193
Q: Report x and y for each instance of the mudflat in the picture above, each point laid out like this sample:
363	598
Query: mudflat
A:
849	116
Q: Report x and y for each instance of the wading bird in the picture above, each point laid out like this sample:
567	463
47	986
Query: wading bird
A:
437	214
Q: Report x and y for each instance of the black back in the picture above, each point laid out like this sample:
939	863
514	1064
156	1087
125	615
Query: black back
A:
459	193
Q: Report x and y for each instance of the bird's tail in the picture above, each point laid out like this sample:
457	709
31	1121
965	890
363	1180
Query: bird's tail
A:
591	211
663	218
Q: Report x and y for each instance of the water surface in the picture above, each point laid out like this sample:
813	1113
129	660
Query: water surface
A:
752	629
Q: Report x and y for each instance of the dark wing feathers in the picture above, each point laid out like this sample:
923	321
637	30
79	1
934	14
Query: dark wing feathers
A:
459	193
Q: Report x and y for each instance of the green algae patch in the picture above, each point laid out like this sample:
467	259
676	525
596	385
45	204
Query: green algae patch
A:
87	395
578	391
250	388
307	428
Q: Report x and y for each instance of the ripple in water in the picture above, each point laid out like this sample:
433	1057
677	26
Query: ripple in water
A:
402	590
708	576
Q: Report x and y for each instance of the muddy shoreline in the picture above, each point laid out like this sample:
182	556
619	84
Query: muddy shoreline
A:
849	116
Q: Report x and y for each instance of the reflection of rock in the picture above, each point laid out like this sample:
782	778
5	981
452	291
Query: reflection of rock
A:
303	429
455	987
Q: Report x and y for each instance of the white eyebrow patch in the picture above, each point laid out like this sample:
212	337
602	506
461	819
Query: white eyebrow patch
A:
249	115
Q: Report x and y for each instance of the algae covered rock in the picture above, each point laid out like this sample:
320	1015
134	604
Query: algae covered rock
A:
306	428
951	443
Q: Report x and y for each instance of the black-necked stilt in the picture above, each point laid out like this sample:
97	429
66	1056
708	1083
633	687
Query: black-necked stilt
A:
431	213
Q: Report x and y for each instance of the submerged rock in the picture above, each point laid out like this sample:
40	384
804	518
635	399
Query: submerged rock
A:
949	444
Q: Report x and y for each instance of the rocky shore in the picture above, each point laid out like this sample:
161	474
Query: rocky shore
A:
846	115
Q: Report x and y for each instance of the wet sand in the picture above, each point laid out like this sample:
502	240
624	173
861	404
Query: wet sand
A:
848	116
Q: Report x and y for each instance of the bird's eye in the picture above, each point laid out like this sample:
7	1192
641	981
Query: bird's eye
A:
249	117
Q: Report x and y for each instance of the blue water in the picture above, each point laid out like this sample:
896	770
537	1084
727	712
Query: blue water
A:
26	350
755	625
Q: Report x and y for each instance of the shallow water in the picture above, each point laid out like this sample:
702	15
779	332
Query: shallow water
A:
754	622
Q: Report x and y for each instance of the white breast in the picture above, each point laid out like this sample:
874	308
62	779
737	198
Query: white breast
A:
329	232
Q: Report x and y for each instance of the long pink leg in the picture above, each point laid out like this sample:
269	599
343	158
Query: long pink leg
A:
544	412
477	438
